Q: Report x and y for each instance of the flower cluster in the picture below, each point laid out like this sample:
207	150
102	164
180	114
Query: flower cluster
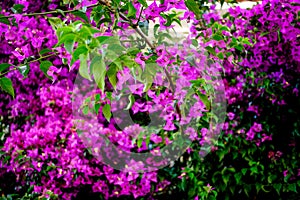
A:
259	52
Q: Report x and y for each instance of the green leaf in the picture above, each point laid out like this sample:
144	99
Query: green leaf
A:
143	2
148	75
82	15
259	187
139	142
116	48
86	32
254	169
44	51
18	8
61	31
97	98
69	45
264	33
131	101
127	61
101	39
239	47
272	178
220	55
44	66
277	187
195	43
221	154
4	20
238	177
117	2
224	28
205	100
112	74
55	22
99	71
247	189
4	66
131	10
85	110
83	68
7	86
244	170
80	50
292	187
66	37
225	179
217	37
194	7
24	70
231	169
106	112
246	41
211	50
61	12
97	107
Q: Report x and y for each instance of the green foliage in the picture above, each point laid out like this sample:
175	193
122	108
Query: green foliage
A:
44	66
106	112
7	86
98	69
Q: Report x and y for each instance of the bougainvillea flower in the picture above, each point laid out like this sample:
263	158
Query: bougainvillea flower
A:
53	72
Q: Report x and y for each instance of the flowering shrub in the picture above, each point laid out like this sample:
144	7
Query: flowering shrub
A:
258	153
44	152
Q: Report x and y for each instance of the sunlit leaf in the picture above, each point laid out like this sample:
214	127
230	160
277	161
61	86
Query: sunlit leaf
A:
83	68
112	74
143	2
99	71
106	112
131	10
193	6
79	50
82	15
131	101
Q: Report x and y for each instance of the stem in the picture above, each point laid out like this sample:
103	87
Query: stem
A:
135	27
122	15
38	59
144	37
8	71
43	57
140	15
49	12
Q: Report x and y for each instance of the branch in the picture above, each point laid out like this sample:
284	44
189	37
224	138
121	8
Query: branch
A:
38	59
49	12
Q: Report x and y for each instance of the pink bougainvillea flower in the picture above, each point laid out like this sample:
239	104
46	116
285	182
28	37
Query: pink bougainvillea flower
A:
250	134
169	126
266	137
136	89
155	138
140	59
152	12
257	127
191	133
53	72
230	115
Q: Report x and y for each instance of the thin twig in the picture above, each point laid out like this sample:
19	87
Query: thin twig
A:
140	16
50	12
38	59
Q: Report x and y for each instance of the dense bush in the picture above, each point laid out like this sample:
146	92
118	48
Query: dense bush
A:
257	155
